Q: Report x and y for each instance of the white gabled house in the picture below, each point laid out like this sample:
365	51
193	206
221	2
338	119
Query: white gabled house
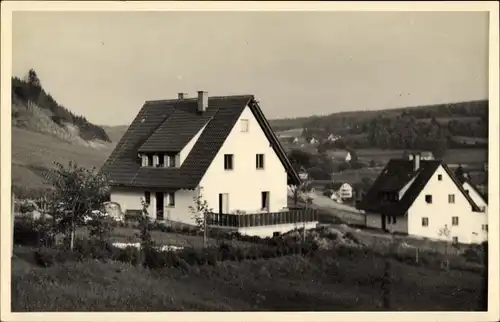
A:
222	147
420	197
342	190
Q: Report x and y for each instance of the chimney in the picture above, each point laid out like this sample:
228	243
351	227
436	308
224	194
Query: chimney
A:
181	96
416	162
202	101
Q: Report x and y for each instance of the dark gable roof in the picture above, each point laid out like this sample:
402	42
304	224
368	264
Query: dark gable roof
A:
394	177
168	126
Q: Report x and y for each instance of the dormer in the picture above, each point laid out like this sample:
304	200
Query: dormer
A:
389	196
159	160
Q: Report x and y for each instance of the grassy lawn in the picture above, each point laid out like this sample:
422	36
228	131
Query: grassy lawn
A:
291	283
378	155
466	156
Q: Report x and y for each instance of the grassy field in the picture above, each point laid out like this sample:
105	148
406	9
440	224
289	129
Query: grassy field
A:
466	156
354	176
324	282
33	153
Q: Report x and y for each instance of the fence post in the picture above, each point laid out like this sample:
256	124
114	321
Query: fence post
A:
386	286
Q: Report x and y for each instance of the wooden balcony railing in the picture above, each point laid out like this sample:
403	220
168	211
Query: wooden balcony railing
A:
262	219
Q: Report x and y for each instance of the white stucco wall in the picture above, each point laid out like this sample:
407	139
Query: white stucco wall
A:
440	212
130	199
245	183
374	220
346	191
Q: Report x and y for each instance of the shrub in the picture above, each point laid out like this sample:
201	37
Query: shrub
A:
101	227
129	255
33	232
94	248
156	259
46	257
27	207
349	235
472	255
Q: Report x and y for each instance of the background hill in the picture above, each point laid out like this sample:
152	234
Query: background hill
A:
43	131
435	127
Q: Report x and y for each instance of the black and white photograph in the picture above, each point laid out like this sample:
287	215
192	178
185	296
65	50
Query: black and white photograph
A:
234	160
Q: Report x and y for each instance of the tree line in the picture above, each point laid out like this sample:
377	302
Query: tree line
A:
421	127
31	89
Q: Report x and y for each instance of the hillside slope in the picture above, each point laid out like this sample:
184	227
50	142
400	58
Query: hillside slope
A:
43	131
33	153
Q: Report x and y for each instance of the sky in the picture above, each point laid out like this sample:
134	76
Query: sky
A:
104	65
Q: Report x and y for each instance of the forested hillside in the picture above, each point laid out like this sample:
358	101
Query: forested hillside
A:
440	126
28	94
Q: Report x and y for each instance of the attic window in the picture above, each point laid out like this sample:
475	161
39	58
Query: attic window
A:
428	198
244	125
440	177
149	161
170	161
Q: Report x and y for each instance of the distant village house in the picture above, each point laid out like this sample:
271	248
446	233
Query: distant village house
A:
422	197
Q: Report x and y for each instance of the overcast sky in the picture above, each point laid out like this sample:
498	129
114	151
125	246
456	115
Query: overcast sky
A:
105	65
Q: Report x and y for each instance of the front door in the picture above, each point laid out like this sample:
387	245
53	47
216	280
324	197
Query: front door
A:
159	205
384	222
223	203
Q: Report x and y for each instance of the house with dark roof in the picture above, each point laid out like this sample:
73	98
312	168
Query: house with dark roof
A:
221	150
423	198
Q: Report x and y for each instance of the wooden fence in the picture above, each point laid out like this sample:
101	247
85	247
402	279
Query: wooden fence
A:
262	219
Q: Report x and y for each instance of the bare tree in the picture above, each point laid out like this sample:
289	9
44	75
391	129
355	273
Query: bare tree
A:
445	232
200	211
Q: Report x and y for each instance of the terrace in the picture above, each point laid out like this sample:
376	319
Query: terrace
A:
251	223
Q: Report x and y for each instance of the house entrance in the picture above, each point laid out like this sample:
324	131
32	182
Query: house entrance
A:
159	205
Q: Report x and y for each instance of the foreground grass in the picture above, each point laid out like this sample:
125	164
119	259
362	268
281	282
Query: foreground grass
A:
290	283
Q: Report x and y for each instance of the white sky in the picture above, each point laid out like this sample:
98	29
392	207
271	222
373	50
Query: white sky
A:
105	65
